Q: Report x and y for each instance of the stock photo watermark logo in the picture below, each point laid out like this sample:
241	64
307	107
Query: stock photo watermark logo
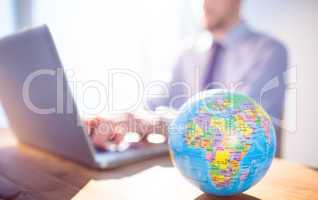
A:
171	95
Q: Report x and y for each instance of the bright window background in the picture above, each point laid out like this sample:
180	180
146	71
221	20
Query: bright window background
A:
95	36
6	27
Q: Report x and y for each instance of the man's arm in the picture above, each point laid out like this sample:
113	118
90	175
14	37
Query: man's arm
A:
265	82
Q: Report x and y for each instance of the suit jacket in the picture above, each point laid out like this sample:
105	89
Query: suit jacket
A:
252	63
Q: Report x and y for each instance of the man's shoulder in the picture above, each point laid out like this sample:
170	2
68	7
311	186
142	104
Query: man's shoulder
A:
266	48
256	42
266	42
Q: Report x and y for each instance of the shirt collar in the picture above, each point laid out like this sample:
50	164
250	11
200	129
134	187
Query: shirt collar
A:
204	40
236	33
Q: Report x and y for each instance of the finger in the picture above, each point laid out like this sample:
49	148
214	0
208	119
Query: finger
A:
92	124
100	140
104	126
117	138
143	127
89	125
126	122
123	124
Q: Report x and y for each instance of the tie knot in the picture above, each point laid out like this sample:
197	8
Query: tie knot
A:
216	46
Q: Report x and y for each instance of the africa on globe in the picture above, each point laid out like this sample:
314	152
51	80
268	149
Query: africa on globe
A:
222	141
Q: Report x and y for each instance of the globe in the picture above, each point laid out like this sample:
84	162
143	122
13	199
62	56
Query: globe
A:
222	141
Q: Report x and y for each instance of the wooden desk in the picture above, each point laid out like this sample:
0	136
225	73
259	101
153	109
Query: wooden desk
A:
27	173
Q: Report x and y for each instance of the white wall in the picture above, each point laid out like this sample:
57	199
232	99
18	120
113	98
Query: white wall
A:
95	37
295	23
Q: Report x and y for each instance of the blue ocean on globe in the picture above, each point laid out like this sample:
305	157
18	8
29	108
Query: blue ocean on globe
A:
222	141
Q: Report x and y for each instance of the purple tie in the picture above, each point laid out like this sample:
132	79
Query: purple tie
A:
216	50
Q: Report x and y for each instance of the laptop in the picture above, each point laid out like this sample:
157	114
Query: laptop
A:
42	112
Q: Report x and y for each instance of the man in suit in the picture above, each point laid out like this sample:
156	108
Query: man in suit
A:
237	58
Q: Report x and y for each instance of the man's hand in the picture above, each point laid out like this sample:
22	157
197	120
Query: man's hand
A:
105	131
101	132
